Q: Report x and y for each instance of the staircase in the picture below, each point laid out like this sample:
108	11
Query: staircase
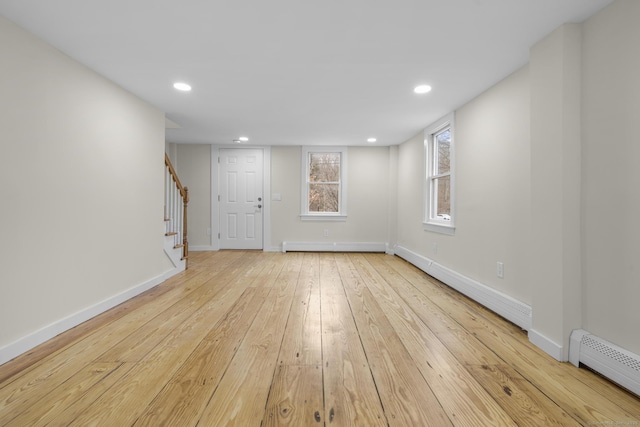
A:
176	199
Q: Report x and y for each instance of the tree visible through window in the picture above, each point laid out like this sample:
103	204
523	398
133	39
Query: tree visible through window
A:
324	182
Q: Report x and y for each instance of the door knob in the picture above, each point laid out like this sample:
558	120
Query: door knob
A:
257	206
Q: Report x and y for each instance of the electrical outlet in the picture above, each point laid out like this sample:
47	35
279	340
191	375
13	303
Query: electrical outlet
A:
325	233
500	270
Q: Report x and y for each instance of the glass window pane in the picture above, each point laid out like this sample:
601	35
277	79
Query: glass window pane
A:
442	198
442	152
324	167
323	198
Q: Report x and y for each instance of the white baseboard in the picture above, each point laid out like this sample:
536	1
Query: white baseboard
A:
333	247
214	249
419	261
40	336
506	306
553	349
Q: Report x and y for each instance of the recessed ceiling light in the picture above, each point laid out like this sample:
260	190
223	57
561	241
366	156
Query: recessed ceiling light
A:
371	140
243	139
422	89
182	86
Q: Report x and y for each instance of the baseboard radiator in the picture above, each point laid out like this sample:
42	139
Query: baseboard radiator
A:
334	247
511	309
619	365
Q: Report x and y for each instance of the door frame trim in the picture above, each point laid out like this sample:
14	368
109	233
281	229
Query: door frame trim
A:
266	188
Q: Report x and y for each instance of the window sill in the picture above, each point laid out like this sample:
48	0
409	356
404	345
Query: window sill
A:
447	229
323	217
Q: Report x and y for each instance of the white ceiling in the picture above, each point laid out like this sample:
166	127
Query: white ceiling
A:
300	72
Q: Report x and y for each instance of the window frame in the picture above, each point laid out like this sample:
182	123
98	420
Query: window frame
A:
341	215
431	223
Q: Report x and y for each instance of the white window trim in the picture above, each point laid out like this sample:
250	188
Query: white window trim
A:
429	223
305	215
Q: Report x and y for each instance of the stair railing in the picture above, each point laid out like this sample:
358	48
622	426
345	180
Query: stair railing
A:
176	200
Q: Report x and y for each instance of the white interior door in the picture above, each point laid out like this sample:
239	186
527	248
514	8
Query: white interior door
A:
241	198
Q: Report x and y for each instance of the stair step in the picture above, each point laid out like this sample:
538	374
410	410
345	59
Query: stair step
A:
171	233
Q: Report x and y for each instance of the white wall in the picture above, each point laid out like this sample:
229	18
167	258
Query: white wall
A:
555	69
409	197
611	174
285	181
82	189
368	199
193	165
171	149
493	176
492	191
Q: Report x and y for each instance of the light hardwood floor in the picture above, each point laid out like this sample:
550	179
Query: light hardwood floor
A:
262	339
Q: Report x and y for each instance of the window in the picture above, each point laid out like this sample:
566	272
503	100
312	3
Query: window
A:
324	183
439	176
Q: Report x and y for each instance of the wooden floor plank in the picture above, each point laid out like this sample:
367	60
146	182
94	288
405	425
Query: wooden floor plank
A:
557	379
351	397
296	394
257	338
241	396
405	395
21	365
526	404
189	390
295	398
62	364
86	401
302	341
99	389
60	398
125	402
462	397
140	342
468	350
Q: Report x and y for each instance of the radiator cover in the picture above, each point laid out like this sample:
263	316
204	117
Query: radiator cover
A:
619	365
